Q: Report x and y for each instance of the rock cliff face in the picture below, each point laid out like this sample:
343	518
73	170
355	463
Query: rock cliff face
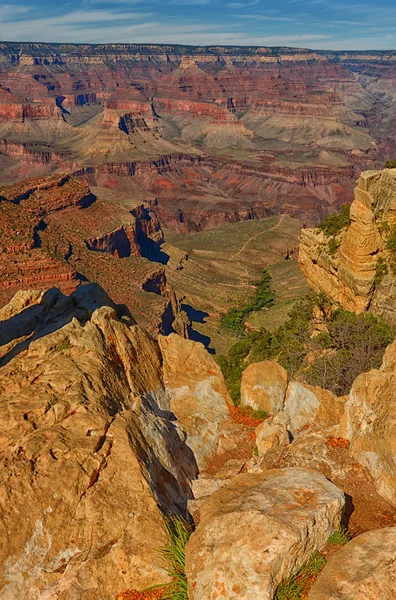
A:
306	124
95	446
359	274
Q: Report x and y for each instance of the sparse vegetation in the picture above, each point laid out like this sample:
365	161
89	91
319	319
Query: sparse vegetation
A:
333	246
259	414
294	587
390	164
50	404
390	240
339	537
174	556
264	297
381	270
64	345
349	345
334	224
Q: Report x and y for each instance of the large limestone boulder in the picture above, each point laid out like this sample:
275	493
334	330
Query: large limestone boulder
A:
90	458
264	386
370	423
364	569
307	405
197	394
257	530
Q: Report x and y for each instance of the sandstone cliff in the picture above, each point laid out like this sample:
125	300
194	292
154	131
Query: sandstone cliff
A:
358	271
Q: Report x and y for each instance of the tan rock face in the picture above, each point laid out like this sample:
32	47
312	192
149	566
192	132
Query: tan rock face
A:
370	423
257	530
90	456
348	277
307	405
272	433
364	569
196	393
264	386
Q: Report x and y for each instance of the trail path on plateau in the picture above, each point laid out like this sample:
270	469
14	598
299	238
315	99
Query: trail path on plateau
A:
256	235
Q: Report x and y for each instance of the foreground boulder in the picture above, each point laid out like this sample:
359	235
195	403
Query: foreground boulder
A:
196	392
258	530
91	455
364	569
264	386
272	433
311	405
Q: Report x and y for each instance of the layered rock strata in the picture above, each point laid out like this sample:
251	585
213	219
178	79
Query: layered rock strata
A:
56	231
352	274
306	123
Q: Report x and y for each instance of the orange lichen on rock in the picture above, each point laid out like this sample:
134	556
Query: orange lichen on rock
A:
156	594
338	442
243	416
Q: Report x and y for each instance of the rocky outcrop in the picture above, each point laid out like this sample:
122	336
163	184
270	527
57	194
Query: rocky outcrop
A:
92	454
272	433
55	231
199	404
370	423
350	275
263	386
257	530
364	569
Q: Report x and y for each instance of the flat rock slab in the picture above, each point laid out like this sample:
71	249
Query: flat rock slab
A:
364	569
258	530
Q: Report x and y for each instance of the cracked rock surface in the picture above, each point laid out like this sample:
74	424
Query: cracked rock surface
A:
91	455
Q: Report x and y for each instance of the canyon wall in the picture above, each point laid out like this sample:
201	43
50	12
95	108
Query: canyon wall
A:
231	131
56	231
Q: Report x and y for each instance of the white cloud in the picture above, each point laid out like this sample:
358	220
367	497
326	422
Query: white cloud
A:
242	4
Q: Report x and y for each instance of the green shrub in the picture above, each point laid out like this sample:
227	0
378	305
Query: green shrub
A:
390	240
351	345
263	297
259	414
64	345
333	224
333	246
356	343
381	270
390	164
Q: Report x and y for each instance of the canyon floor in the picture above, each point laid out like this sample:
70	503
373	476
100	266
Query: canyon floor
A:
216	270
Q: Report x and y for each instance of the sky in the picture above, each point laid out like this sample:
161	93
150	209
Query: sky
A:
316	24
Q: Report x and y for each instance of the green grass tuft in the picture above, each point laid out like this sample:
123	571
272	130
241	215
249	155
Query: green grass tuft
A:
174	557
339	537
64	345
293	587
259	414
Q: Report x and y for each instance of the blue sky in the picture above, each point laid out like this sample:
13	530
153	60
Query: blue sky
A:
326	24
